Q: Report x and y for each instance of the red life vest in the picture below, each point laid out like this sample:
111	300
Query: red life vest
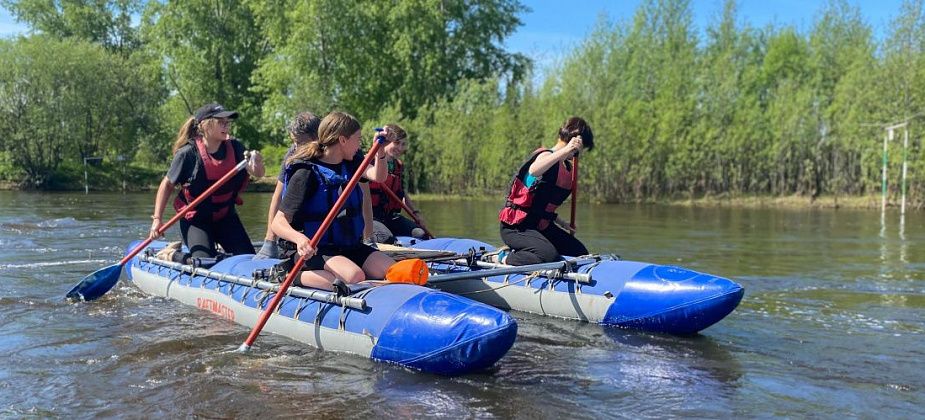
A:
535	206
222	199
382	203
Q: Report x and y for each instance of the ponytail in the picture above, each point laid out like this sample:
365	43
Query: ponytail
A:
188	131
306	151
330	129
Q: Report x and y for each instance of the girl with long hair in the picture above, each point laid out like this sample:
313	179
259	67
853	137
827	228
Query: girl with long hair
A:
314	178
203	152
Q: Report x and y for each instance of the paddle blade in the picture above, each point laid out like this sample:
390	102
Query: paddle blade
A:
96	284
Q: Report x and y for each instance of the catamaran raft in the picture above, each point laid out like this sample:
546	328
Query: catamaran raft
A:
602	290
452	327
412	326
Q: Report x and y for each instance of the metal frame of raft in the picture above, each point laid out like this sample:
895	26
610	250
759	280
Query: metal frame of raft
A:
631	294
412	326
266	286
554	270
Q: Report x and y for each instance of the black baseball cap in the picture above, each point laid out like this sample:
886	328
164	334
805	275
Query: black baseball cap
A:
214	111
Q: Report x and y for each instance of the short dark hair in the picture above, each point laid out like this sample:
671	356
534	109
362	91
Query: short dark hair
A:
304	124
577	126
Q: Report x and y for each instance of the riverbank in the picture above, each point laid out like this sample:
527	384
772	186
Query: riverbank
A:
265	184
751	201
792	201
268	184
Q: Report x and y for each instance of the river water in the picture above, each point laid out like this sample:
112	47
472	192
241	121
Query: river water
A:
831	325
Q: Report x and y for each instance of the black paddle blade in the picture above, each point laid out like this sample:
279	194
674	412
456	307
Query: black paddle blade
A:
96	284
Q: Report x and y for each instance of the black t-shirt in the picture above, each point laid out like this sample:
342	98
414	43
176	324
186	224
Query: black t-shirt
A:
304	184
282	166
186	167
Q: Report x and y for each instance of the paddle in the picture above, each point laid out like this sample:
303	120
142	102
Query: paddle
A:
101	281
522	269
297	268
408	210
574	191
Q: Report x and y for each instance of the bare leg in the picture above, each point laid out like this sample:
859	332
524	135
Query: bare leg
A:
335	267
344	269
319	279
376	265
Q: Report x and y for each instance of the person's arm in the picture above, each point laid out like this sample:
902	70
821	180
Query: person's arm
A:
414	209
379	170
300	186
566	226
271	214
255	166
282	226
367	211
179	173
160	202
546	160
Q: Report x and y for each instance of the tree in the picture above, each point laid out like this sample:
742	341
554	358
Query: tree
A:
361	55
64	100
105	22
209	51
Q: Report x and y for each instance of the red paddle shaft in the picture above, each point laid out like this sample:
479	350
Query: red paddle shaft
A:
407	209
297	268
205	194
574	189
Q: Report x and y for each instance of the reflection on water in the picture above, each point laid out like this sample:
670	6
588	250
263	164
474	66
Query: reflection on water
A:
831	323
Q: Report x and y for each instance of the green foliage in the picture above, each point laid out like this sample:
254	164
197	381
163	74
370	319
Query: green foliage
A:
273	158
209	50
737	110
362	55
746	111
64	100
104	22
105	176
8	172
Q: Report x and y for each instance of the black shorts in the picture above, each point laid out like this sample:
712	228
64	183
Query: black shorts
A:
358	254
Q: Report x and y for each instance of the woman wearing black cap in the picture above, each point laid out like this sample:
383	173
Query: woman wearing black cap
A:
202	153
530	227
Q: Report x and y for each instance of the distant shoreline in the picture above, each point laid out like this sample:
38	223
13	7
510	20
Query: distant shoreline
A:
793	201
872	202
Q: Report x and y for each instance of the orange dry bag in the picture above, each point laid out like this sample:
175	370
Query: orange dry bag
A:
413	271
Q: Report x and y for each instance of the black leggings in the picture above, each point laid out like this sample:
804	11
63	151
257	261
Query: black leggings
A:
200	236
398	224
531	246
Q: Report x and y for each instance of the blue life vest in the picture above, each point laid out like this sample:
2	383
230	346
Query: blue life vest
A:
347	228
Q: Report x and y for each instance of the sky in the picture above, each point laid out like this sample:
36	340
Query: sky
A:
554	26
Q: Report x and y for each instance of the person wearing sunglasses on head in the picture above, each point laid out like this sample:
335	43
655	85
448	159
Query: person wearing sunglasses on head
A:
204	152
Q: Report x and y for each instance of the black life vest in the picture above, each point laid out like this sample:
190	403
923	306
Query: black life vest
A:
223	199
535	206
